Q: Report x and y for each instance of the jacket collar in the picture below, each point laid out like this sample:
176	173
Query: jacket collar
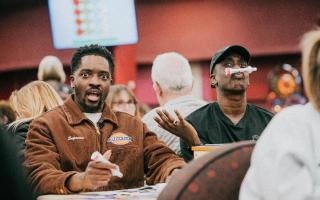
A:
75	116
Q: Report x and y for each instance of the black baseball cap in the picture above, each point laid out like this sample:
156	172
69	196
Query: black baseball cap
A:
222	53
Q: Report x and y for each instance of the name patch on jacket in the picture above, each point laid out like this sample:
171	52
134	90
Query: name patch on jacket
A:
73	138
119	139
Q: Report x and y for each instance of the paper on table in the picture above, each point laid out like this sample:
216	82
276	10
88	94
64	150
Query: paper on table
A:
148	192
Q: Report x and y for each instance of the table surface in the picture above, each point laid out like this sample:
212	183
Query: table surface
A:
149	192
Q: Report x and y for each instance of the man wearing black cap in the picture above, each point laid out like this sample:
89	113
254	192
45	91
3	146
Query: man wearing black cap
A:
231	118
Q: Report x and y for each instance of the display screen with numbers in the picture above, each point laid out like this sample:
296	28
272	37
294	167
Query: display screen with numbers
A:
75	23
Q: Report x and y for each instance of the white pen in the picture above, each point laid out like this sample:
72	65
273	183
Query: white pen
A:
248	69
96	156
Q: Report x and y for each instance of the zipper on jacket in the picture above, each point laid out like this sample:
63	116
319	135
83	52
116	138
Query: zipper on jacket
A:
97	130
95	127
98	136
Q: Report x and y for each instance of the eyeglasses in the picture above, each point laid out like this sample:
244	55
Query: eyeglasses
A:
122	103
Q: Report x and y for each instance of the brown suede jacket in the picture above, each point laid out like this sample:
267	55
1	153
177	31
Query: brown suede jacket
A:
60	143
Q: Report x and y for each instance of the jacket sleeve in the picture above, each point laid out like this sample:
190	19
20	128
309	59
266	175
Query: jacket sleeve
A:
42	161
159	160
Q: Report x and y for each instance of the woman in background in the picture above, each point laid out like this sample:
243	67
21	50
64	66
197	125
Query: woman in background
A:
120	98
286	159
29	102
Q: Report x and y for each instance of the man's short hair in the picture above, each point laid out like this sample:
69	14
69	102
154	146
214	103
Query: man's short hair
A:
92	49
172	72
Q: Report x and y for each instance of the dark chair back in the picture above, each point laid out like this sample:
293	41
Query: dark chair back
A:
217	175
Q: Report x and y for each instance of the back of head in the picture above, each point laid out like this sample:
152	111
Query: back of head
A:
311	66
172	72
34	99
51	68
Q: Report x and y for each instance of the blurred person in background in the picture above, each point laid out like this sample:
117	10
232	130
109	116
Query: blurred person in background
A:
285	160
7	114
122	99
173	84
51	71
29	102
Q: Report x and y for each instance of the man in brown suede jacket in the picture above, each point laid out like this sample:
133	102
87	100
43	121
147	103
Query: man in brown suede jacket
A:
60	142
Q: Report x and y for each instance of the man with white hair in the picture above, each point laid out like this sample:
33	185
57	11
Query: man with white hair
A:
173	83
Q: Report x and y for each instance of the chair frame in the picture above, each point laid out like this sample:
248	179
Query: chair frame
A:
175	189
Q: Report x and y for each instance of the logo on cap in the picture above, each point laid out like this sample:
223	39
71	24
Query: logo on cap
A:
119	139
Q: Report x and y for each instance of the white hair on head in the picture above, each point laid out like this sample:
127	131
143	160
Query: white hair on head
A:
50	67
172	72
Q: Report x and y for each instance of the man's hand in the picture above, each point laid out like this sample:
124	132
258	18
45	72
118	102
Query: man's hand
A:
179	127
97	174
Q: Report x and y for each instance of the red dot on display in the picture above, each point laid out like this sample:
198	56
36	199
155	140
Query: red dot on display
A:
80	31
78	21
76	2
77	12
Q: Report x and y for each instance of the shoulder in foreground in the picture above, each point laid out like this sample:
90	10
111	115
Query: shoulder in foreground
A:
302	112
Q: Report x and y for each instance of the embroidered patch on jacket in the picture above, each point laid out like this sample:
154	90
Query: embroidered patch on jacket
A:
72	138
119	139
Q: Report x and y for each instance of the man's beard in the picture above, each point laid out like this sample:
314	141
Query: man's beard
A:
87	108
92	109
232	91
